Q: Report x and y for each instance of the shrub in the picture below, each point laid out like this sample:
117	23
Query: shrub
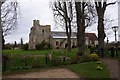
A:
118	47
25	46
85	58
94	56
39	46
35	64
67	60
73	60
38	62
89	57
43	46
7	46
56	61
92	49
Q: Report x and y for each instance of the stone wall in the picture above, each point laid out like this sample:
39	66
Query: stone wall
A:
60	43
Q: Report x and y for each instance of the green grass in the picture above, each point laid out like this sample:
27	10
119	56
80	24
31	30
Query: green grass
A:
31	52
55	52
17	58
88	70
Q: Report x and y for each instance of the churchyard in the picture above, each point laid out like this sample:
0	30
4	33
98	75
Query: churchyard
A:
80	48
25	61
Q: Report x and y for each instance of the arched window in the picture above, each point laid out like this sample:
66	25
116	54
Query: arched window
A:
57	43
43	31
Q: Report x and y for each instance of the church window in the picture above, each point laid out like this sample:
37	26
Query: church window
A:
43	31
57	43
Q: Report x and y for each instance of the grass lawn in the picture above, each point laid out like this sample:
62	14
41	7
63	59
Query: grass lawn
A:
31	52
88	70
17	52
33	58
56	52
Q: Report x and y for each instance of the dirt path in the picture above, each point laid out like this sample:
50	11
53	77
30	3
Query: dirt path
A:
112	66
53	73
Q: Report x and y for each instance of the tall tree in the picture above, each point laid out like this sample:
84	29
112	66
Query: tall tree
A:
9	17
63	12
80	28
84	15
0	34
15	44
101	8
21	41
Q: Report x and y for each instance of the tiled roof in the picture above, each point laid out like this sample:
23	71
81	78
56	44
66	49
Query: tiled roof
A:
91	36
62	34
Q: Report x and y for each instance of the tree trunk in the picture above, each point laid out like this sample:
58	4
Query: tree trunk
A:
101	32
3	42
101	36
69	42
68	27
83	28
69	35
0	34
0	30
80	7
80	28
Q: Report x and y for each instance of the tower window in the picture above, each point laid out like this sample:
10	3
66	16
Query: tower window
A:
43	31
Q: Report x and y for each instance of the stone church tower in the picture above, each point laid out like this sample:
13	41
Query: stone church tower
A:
38	33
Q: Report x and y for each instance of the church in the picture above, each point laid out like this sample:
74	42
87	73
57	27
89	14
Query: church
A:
40	33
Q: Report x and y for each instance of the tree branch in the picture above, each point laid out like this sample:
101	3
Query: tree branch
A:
110	4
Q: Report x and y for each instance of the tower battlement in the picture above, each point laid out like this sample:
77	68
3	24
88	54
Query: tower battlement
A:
36	22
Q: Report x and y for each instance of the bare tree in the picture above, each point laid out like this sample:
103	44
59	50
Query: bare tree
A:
62	11
101	8
9	16
85	15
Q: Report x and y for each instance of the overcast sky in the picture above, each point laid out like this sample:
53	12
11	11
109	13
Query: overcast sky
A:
39	9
